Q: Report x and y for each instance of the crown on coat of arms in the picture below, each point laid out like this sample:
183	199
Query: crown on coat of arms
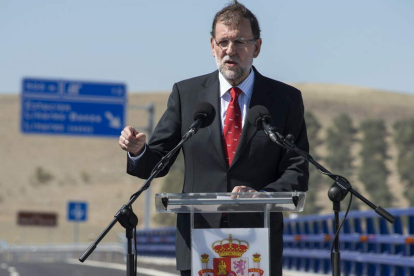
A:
204	258
230	248
256	258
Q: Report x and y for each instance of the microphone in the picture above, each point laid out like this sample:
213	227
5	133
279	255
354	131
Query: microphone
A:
204	114
260	117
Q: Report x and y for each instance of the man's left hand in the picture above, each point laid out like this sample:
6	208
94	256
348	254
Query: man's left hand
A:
242	189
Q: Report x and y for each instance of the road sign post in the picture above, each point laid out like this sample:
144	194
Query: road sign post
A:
77	212
148	129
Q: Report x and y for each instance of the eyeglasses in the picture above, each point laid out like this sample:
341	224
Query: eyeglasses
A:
238	43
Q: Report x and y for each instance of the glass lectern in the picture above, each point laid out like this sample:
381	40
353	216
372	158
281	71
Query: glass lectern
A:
230	251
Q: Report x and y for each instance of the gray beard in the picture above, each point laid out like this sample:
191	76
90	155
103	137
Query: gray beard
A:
232	74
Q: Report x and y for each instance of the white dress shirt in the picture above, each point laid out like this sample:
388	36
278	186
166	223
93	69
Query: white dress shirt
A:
244	98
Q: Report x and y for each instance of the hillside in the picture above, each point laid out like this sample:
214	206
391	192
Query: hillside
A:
327	100
93	169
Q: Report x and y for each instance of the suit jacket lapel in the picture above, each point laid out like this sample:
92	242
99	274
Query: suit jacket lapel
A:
262	95
211	94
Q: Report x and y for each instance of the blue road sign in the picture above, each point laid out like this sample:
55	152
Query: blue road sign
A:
72	107
77	211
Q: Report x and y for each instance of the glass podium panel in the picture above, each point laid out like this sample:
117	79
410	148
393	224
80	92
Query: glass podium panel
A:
218	251
230	202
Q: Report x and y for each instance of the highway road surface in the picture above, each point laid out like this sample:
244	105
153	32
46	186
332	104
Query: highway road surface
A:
72	267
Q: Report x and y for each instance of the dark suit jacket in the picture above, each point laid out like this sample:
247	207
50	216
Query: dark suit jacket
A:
258	163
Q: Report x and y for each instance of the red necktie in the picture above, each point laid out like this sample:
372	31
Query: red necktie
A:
232	125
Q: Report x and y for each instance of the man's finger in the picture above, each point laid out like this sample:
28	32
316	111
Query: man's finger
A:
140	136
134	131
122	145
129	132
236	189
132	141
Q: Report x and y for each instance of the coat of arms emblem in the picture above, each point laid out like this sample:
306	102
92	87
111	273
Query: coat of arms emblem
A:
231	261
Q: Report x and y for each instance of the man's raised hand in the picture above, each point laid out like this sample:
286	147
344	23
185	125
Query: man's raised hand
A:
132	141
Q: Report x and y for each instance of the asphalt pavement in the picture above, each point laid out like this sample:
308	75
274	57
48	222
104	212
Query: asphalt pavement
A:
75	268
72	267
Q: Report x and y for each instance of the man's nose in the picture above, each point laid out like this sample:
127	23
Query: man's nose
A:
231	48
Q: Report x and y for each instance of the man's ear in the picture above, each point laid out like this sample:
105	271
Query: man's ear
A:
212	46
257	47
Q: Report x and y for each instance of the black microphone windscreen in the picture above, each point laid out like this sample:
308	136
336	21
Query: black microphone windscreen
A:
206	112
256	114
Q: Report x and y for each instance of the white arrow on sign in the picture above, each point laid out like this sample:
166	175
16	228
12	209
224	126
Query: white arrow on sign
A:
114	122
77	212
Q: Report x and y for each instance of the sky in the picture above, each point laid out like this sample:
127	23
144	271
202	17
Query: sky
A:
150	45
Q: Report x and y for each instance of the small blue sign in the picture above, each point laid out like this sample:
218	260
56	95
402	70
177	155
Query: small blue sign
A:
73	107
77	211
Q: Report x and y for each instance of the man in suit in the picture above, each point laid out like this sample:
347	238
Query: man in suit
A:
230	155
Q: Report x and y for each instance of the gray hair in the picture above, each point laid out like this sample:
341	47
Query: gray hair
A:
234	13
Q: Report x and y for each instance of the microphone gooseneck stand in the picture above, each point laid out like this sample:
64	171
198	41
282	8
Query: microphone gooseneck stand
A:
126	217
336	193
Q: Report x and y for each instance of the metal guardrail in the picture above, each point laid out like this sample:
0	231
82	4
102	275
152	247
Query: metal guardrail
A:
158	242
369	245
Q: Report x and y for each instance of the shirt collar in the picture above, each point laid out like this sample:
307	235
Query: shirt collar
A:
246	86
